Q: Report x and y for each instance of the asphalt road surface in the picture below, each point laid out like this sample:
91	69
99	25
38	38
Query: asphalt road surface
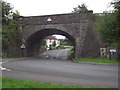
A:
56	54
63	72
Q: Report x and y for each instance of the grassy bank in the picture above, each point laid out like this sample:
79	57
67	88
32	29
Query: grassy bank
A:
15	83
9	57
97	60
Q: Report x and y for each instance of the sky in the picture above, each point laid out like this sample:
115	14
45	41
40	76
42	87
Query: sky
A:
48	7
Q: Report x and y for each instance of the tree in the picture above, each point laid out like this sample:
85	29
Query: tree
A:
65	42
9	22
83	8
80	8
116	6
109	25
54	43
6	11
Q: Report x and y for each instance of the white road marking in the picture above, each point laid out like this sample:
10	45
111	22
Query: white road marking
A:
2	68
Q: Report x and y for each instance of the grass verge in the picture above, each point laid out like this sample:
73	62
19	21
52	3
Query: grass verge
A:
98	60
9	57
15	83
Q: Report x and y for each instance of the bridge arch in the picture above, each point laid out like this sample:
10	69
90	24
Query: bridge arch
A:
75	26
33	40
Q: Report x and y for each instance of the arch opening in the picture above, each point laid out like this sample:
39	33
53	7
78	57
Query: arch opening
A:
34	40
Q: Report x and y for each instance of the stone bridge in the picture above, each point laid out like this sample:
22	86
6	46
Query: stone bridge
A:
75	26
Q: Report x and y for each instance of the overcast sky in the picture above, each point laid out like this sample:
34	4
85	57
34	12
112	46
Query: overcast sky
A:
47	7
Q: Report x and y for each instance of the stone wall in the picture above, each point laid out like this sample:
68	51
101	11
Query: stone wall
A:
91	44
55	19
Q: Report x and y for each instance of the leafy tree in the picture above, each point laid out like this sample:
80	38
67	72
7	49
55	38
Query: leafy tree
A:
109	25
8	16
65	42
9	22
82	7
116	6
6	11
54	43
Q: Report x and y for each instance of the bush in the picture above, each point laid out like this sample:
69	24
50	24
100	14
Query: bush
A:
71	53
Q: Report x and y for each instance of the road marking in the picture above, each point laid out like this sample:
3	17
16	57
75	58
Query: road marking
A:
2	68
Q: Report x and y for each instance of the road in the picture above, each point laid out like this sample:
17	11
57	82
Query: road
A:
56	54
63	72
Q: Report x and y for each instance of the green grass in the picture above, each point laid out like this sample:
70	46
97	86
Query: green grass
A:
9	57
53	48
97	60
15	83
